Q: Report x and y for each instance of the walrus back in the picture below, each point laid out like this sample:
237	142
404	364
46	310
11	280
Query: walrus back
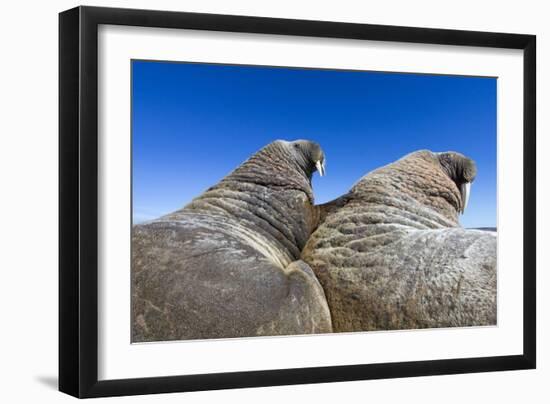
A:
214	278
408	279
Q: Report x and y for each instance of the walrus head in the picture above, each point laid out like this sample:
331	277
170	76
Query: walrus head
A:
462	171
280	165
309	155
438	182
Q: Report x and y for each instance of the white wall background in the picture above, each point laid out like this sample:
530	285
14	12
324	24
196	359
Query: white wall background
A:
28	202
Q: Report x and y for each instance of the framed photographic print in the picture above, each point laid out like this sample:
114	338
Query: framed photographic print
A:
250	201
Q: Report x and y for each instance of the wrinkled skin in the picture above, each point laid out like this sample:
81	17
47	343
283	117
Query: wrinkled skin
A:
390	254
228	264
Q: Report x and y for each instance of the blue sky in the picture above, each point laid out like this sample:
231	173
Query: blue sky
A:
194	123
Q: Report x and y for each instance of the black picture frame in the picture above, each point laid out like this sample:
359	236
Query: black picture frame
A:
78	201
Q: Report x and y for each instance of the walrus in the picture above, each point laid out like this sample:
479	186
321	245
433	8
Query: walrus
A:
228	263
391	254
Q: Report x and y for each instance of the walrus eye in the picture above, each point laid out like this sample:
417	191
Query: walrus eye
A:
320	167
465	194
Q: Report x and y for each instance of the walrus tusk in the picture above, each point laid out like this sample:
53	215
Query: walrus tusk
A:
320	167
465	193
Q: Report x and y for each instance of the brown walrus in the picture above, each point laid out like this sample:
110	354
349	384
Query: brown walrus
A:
228	264
390	254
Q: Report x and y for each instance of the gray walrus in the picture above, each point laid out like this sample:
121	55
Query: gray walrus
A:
391	254
227	264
